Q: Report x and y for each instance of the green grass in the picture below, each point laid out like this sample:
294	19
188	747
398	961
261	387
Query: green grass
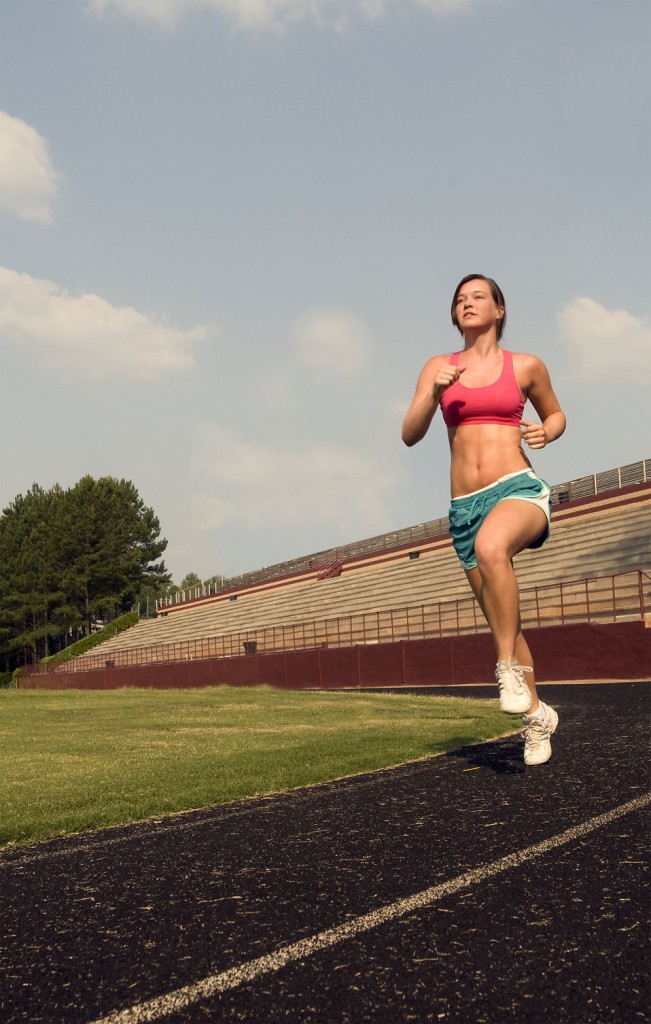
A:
77	760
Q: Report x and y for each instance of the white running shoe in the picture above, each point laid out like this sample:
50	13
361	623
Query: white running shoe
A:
515	695
537	734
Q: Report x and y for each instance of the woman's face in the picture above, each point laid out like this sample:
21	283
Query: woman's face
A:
475	307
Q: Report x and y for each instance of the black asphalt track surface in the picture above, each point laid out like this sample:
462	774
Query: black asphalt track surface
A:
97	924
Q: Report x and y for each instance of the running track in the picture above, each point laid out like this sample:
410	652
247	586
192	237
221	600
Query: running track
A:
464	888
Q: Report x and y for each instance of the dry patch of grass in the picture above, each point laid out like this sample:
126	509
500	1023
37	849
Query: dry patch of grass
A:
76	760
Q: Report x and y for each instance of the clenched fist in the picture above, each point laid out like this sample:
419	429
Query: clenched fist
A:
445	376
533	434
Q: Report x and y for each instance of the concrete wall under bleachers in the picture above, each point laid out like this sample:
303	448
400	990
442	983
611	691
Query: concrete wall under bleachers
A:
583	651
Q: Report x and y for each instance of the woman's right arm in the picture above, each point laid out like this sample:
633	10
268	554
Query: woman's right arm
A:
436	375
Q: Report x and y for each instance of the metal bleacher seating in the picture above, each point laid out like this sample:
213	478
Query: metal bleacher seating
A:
600	535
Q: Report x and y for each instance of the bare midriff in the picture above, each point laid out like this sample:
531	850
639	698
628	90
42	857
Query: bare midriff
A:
481	453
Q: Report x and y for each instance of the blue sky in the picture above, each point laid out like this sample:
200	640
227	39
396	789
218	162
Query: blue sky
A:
230	231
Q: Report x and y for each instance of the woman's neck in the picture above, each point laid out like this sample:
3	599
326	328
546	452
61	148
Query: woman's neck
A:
483	346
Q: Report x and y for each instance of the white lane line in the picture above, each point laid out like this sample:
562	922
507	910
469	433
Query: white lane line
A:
173	1002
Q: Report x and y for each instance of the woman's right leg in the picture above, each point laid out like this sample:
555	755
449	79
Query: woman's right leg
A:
521	651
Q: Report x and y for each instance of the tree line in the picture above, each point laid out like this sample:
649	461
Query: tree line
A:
73	558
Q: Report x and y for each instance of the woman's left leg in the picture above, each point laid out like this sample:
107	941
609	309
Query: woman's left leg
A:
511	526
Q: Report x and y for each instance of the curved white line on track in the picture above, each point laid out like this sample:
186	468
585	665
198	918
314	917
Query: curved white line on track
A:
173	1002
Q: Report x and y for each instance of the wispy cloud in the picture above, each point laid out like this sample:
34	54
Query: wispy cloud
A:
445	6
89	335
395	409
266	14
264	486
608	343
333	340
27	178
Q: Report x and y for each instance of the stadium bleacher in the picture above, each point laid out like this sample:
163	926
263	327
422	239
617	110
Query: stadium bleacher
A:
594	535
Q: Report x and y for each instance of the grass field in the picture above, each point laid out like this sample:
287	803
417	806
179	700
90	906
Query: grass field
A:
77	760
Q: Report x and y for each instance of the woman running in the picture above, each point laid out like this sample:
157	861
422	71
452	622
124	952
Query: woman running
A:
499	506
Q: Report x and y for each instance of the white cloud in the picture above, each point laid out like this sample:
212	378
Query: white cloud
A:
265	486
333	340
445	6
264	14
252	14
395	409
88	334
209	512
608	343
27	177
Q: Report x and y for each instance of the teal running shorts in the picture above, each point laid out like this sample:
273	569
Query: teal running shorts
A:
468	512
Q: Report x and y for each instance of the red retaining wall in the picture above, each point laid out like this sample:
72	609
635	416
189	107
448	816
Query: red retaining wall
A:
574	652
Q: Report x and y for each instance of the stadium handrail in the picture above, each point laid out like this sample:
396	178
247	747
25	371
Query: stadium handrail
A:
573	490
612	598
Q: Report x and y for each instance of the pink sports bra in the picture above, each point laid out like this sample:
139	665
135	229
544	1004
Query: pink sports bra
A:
499	402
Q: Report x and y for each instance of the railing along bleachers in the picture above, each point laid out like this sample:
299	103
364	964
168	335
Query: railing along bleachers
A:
573	490
615	598
575	551
593	540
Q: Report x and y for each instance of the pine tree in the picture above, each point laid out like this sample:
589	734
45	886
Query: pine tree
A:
70	558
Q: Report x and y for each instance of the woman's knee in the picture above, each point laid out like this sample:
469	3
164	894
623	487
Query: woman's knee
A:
491	551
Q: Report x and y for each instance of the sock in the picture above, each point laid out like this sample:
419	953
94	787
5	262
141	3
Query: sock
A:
536	714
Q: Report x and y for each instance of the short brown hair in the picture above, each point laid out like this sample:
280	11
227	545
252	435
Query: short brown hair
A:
496	292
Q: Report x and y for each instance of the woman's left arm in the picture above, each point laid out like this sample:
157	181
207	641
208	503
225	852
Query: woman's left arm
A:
538	389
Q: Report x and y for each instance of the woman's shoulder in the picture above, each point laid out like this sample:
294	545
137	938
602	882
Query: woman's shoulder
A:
524	355
526	360
530	370
443	359
434	362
